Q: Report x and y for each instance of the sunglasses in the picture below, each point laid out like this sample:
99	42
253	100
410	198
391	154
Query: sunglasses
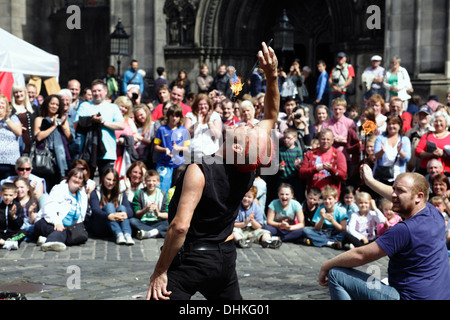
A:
24	169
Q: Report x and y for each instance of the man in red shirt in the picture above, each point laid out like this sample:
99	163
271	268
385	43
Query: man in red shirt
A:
176	96
228	117
325	165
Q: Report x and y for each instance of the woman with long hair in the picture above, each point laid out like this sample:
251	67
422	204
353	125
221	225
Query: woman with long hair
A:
392	149
204	126
22	108
10	132
52	127
111	209
146	133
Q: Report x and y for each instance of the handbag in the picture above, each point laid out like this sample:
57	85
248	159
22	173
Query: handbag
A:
42	161
76	234
431	146
385	173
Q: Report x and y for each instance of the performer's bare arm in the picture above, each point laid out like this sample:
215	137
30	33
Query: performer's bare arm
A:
269	63
193	185
382	189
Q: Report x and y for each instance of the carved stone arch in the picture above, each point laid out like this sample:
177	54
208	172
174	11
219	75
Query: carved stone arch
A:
181	18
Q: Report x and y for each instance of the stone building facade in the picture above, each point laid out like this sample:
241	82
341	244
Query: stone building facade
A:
181	34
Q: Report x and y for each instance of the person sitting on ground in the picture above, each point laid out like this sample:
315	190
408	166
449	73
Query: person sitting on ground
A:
330	222
90	184
150	209
310	206
111	210
363	223
248	226
285	215
38	184
418	266
29	204
66	205
134	179
11	218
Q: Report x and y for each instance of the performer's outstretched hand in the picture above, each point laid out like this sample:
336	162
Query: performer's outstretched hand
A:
268	61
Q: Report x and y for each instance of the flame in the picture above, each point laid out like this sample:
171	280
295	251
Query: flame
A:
369	127
237	87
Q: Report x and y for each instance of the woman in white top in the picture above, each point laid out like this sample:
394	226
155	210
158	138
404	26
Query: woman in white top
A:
392	149
66	205
397	82
205	127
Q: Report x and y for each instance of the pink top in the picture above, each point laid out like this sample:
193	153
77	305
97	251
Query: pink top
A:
381	228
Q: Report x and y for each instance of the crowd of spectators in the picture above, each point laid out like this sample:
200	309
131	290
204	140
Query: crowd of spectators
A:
140	146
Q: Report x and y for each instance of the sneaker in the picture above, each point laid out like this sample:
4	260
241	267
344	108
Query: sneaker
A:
129	240
11	245
120	239
53	246
244	243
275	244
41	240
337	245
141	235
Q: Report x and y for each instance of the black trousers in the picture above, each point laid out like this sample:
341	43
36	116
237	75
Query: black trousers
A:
210	272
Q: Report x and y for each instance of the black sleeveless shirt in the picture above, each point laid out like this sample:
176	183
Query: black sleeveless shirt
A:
214	217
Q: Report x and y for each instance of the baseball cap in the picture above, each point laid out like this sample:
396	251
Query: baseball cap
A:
425	109
341	55
376	58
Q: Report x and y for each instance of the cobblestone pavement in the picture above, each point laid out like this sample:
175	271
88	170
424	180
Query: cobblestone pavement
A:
102	270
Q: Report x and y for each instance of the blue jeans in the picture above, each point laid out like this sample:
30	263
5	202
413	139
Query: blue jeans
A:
285	235
117	227
321	238
161	226
351	284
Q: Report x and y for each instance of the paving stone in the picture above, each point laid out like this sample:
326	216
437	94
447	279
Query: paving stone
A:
112	272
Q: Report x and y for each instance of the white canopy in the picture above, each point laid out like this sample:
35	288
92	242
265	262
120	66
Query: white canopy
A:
20	57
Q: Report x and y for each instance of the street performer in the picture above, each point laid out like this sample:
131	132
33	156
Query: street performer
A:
199	254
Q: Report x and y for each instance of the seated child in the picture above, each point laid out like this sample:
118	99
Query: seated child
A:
150	209
248	226
330	222
347	202
363	223
29	203
392	218
11	218
285	216
439	203
310	206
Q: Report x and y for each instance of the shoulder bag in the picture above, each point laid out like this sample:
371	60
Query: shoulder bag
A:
42	161
76	234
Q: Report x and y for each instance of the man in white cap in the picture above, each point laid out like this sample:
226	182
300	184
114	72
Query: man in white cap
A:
372	79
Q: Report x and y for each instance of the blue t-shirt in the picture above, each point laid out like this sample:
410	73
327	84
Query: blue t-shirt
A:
339	214
75	211
110	113
166	137
289	213
243	214
418	266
